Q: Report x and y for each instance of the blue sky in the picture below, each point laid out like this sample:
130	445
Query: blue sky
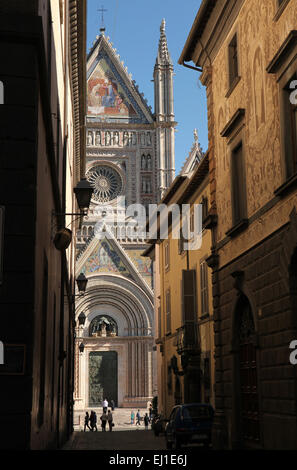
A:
134	29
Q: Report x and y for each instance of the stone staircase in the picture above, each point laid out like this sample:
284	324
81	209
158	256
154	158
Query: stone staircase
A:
121	418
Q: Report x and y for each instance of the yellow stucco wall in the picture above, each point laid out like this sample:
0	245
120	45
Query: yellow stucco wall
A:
170	278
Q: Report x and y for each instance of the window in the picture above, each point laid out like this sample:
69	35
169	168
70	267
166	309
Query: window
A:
290	129
159	323
233	60
238	184
189	295
204	203
168	311
204	288
166	255
284	67
183	236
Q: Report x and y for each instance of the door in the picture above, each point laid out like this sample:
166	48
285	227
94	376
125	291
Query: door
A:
103	377
250	428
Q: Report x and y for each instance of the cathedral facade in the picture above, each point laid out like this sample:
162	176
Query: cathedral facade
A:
129	160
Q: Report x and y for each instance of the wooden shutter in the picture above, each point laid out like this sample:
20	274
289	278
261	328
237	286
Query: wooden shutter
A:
204	288
189	295
168	311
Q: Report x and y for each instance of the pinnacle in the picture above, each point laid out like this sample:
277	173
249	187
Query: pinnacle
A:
163	53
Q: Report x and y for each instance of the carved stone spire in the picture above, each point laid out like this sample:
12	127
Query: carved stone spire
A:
163	53
164	114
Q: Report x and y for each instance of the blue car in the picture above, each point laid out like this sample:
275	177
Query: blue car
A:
189	424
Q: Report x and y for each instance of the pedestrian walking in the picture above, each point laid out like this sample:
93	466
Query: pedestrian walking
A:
103	421
105	405
132	417
112	404
138	417
93	421
110	420
146	420
87	419
150	412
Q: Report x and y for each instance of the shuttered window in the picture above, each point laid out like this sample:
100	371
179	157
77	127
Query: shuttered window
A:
168	311
204	288
238	185
189	305
166	255
159	323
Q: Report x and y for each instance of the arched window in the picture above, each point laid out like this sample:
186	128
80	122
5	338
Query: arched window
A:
103	325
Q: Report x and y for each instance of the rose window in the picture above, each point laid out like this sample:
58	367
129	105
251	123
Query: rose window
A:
107	183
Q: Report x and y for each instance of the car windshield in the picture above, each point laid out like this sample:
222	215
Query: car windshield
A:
196	412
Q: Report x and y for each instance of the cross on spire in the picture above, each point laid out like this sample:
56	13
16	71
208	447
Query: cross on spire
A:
102	10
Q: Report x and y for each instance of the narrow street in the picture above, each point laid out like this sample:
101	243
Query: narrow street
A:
125	436
135	439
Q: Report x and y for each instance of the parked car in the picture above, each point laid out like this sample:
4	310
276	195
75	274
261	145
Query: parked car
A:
189	423
158	424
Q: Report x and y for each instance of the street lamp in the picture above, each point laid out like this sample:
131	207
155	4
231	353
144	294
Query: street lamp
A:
81	347
81	282
81	319
83	192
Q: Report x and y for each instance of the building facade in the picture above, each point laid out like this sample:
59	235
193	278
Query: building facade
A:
129	161
246	51
184	320
42	49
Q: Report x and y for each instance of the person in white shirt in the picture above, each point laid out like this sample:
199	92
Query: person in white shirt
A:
105	405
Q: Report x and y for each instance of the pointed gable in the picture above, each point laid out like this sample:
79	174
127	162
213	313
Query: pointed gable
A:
107	256
112	95
105	259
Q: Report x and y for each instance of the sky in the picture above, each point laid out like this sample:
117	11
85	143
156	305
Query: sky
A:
134	30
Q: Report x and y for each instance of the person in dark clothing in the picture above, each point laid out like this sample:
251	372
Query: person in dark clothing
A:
103	421
93	421
146	420
112	404
138	418
150	412
109	419
87	419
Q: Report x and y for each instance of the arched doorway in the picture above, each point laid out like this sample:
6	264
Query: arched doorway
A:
249	423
